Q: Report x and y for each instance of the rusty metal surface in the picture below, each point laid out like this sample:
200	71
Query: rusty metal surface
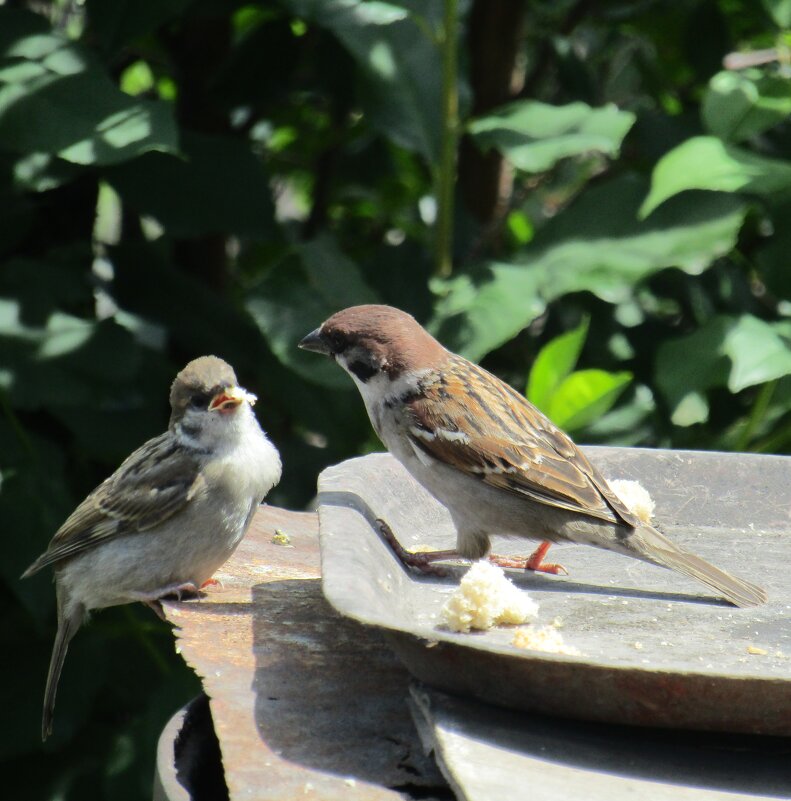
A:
657	649
305	703
488	754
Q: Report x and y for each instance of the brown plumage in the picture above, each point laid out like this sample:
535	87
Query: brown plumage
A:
493	459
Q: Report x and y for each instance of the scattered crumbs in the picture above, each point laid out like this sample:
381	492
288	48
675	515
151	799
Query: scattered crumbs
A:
636	498
638	646
308	788
546	639
486	598
756	651
350	782
281	538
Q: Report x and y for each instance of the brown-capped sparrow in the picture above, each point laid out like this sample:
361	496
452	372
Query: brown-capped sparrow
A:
487	454
171	514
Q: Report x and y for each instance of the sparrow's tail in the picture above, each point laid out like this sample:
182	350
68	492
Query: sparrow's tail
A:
68	624
652	546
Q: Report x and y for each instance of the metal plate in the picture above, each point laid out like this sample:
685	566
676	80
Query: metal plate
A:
489	754
657	649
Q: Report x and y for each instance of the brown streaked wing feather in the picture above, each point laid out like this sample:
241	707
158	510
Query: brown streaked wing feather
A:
507	435
154	483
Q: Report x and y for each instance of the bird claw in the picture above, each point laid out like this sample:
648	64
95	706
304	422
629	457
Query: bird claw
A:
420	562
212	582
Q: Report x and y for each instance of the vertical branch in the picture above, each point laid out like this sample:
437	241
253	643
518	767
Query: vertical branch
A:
446	175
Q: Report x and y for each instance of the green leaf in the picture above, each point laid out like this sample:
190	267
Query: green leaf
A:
555	362
399	64
219	186
779	11
297	295
534	136
688	366
758	353
739	105
55	100
599	245
737	352
705	162
477	313
584	396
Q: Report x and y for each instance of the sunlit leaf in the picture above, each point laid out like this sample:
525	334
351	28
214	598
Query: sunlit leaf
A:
555	361
584	396
533	136
705	162
741	104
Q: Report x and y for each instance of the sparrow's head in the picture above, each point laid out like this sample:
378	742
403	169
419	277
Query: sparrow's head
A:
371	340
206	401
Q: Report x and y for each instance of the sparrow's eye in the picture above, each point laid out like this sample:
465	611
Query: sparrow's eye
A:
337	342
200	400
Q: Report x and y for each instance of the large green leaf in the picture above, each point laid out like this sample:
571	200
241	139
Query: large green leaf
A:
738	105
780	11
599	245
399	64
54	99
759	352
705	162
555	362
533	136
297	295
732	352
477	313
584	396
218	186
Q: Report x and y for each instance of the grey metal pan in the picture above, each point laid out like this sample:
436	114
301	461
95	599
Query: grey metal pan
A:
656	648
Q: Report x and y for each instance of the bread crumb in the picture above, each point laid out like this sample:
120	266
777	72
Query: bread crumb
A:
422	549
756	651
542	638
486	598
636	498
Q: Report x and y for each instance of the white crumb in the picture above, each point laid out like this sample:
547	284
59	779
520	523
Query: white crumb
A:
636	498
542	638
486	598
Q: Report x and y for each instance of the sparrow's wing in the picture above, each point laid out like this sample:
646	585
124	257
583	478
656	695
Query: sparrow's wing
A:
154	483
469	419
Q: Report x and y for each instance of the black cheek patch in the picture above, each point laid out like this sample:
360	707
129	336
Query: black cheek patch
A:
363	370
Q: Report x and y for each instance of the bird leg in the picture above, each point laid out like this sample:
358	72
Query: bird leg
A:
422	562
533	562
152	599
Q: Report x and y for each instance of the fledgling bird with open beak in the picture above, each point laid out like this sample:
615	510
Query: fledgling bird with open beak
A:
171	514
487	454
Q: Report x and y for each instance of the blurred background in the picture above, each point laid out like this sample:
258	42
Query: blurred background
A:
591	198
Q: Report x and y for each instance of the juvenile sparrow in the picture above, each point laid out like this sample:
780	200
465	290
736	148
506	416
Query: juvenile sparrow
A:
171	514
487	454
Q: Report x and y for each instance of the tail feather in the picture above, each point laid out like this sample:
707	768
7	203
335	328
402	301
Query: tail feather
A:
654	547
68	624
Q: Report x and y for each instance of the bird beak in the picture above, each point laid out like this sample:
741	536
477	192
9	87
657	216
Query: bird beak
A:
315	341
229	398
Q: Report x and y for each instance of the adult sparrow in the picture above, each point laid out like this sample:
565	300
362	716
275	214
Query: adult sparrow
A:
171	514
487	454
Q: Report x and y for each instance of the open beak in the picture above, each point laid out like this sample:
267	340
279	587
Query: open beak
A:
315	341
229	398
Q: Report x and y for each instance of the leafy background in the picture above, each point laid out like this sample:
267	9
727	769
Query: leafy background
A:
579	194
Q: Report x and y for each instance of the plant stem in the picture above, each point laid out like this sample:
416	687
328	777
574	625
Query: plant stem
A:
760	405
446	174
